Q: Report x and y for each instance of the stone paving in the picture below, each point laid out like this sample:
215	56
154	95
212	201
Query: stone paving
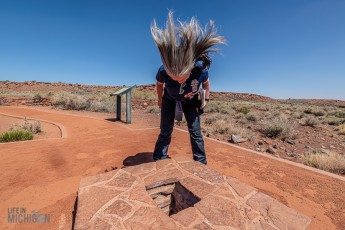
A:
178	193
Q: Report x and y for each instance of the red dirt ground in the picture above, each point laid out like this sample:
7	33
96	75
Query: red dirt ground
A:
44	175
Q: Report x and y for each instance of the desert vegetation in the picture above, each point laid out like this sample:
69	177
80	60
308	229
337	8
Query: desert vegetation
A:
21	132
289	129
285	130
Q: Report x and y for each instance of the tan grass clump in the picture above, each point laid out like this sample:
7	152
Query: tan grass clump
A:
331	162
310	121
33	127
341	129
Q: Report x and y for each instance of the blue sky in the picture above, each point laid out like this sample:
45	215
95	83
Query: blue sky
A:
280	49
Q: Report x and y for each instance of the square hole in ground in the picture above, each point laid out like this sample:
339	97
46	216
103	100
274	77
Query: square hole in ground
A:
172	198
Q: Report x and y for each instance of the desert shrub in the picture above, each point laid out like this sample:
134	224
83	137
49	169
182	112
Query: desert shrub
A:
218	107
315	111
310	121
262	107
251	117
221	126
334	120
16	135
337	113
33	127
49	94
298	115
212	118
318	113
70	102
331	162
228	128
341	129
143	95
245	110
276	127
239	116
153	109
273	114
97	106
308	111
37	96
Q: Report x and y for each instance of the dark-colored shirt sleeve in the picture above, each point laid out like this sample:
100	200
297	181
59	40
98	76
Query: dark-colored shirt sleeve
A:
159	76
204	75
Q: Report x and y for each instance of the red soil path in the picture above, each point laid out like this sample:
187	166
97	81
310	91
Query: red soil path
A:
44	175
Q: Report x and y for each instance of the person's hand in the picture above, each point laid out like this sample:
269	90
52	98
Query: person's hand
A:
203	106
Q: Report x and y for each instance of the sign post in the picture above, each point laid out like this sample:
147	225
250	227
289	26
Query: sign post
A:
118	94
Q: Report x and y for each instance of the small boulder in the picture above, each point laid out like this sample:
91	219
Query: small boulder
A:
238	139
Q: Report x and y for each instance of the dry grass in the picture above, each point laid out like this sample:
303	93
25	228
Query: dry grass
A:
310	121
33	126
221	124
153	109
331	162
101	102
143	95
218	107
334	121
276	127
341	129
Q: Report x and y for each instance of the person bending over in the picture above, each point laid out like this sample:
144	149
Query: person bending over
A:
184	50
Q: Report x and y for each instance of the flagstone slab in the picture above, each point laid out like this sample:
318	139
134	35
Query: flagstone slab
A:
202	171
282	216
178	194
240	188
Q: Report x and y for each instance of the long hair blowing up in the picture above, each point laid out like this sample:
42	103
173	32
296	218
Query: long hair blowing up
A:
181	45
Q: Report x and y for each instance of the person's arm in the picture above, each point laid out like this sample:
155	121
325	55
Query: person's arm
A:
159	86
206	87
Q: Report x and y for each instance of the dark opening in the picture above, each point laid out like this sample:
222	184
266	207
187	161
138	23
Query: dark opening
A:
172	198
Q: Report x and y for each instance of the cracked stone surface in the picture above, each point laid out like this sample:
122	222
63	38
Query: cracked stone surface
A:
138	197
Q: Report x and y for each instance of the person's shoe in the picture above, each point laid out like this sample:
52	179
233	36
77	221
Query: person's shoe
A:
163	158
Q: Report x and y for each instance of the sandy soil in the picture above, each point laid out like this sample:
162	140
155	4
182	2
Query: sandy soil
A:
44	175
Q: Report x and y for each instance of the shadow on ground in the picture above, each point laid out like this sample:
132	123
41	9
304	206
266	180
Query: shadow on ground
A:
138	159
115	120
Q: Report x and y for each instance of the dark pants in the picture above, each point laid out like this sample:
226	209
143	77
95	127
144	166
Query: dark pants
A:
167	124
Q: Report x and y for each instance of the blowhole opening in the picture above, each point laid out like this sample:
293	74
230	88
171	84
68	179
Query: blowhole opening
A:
172	198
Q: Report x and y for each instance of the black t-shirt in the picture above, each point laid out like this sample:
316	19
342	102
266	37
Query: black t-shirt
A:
187	90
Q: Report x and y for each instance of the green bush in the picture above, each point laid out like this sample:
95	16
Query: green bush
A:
244	110
16	135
